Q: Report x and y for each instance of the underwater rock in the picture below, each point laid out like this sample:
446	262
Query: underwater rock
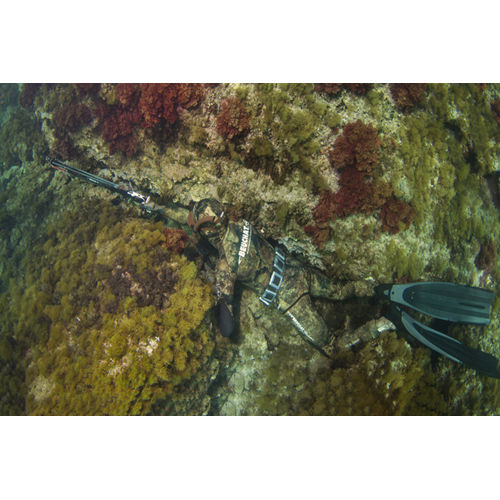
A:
274	173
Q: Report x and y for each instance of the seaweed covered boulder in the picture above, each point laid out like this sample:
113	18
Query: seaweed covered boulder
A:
384	378
111	320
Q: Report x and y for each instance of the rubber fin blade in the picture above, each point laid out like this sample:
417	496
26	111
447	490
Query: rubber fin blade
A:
448	301
478	360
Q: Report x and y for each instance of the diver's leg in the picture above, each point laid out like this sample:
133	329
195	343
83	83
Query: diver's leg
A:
323	287
306	319
369	331
294	301
315	331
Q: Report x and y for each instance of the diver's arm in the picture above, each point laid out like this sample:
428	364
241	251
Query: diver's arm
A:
226	279
170	211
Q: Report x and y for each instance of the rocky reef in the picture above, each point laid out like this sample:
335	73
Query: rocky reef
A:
106	311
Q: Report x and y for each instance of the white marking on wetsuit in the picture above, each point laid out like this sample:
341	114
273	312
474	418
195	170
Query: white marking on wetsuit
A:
299	326
245	240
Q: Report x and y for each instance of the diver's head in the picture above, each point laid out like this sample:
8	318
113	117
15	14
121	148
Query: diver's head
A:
208	220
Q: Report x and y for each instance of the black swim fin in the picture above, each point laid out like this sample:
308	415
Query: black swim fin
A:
458	303
478	360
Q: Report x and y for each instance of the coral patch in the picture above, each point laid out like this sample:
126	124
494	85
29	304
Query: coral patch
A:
322	214
407	95
127	93
117	124
176	240
396	215
357	147
233	120
161	100
73	118
355	155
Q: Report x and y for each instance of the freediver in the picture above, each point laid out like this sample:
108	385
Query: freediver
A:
283	282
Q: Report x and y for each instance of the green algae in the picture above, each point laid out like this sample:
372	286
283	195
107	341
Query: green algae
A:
445	148
382	379
388	377
19	139
110	319
291	117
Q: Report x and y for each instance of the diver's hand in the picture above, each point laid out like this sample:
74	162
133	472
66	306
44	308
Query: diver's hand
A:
150	207
226	322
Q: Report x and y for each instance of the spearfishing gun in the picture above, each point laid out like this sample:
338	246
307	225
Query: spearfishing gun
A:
144	202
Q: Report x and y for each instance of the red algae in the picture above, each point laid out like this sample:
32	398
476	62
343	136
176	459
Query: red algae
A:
233	119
